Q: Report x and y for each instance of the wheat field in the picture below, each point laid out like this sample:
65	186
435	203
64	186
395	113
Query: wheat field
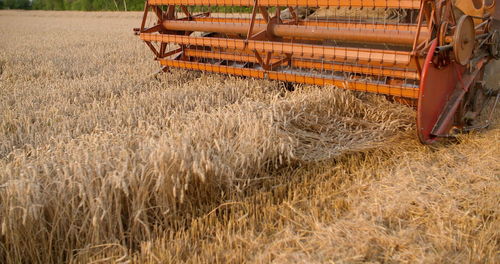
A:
101	161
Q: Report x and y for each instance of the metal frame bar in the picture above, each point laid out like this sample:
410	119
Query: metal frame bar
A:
369	56
397	37
297	78
405	4
309	64
320	23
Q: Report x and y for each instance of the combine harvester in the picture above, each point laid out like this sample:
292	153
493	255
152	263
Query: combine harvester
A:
430	54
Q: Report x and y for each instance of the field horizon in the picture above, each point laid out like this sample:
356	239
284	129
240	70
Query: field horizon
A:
102	161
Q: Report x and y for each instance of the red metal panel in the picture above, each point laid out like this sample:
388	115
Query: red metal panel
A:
436	87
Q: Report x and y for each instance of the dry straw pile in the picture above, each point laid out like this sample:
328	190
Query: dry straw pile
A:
101	162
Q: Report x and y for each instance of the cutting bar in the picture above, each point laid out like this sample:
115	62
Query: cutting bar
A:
357	85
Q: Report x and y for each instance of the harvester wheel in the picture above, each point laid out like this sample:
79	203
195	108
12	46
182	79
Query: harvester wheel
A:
464	40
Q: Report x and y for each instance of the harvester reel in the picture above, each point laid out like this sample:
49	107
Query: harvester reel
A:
432	61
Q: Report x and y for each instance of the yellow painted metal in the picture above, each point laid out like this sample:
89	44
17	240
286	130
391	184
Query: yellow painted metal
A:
475	8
